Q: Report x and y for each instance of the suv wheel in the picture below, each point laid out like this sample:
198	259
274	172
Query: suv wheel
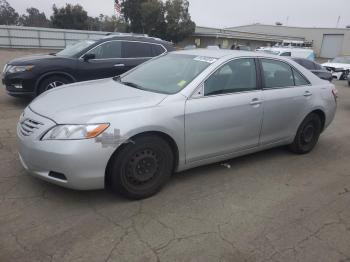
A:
52	82
307	134
142	167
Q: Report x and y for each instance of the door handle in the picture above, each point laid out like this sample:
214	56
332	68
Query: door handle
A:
255	102
307	94
119	65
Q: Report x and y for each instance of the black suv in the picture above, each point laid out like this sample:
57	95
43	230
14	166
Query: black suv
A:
85	60
315	68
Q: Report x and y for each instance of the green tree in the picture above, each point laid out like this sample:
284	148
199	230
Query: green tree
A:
70	17
34	18
8	15
153	22
132	12
112	24
178	20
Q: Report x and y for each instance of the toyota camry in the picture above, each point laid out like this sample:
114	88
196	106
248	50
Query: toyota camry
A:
175	112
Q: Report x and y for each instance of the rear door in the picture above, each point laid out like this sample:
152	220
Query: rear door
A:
287	96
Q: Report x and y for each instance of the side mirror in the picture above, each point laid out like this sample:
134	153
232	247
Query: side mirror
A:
88	57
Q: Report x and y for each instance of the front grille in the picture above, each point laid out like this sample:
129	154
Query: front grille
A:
28	126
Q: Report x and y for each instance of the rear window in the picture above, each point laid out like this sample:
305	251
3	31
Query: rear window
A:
141	50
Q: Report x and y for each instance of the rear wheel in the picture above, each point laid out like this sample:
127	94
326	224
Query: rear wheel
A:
307	135
142	167
52	82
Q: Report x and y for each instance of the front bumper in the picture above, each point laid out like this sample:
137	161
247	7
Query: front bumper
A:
82	162
19	84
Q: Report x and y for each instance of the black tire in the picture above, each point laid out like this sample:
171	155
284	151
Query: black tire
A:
307	135
348	83
52	82
142	167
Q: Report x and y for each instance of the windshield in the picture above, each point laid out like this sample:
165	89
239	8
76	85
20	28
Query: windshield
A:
341	60
168	74
75	49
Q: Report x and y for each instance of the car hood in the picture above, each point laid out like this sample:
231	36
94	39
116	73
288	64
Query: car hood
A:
33	59
85	101
337	65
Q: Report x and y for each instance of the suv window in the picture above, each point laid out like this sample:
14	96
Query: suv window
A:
286	54
236	76
277	74
107	50
299	79
308	64
157	50
140	50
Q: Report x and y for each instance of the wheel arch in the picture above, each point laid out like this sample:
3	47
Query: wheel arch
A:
171	141
50	74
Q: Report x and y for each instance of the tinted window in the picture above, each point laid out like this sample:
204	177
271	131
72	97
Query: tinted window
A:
318	67
308	64
137	49
157	50
277	74
299	79
235	76
107	50
286	54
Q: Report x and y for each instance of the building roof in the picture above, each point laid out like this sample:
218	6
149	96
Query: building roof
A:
283	26
240	34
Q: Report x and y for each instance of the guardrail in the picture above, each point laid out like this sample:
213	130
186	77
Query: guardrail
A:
46	38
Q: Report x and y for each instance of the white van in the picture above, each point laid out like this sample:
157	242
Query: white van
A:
293	52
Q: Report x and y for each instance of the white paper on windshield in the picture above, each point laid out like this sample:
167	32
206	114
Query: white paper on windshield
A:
205	59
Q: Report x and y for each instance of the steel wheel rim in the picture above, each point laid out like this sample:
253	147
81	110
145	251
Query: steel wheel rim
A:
308	134
142	168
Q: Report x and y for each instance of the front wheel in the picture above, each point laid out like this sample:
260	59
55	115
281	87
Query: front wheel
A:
142	167
52	82
307	135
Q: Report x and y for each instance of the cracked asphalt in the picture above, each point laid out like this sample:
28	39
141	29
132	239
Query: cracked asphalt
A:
270	206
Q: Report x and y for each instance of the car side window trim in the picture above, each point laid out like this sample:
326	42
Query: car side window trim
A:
126	58
284	87
199	90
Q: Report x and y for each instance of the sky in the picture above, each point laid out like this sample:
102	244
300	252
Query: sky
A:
227	13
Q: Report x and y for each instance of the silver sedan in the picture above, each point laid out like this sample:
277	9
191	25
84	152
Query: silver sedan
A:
175	112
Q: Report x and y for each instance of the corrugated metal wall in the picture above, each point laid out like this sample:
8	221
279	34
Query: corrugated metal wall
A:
48	38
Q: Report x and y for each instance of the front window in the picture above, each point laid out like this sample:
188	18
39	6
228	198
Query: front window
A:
107	50
341	60
167	74
238	75
76	48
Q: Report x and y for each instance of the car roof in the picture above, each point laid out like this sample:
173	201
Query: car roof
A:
221	53
142	38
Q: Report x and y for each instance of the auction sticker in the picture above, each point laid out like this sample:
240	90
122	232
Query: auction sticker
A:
205	59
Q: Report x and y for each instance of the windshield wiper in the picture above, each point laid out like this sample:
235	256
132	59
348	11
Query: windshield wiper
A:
131	84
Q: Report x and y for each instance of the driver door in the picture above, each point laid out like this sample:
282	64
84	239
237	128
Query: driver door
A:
108	62
227	118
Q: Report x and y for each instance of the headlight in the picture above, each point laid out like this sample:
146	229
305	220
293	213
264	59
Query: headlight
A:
74	132
19	69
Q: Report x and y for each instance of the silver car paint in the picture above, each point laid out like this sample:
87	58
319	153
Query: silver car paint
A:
204	129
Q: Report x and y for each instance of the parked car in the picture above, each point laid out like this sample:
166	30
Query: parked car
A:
339	66
85	60
306	53
181	110
315	68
